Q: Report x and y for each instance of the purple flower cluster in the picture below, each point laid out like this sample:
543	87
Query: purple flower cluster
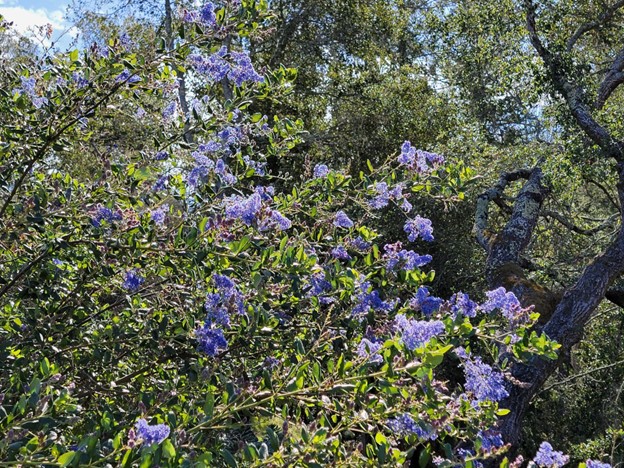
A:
216	67
460	303
484	383
79	80
340	253
419	227
424	302
416	333
160	183
211	340
250	210
366	301
161	156
245	209
508	304
158	215
404	425
132	281
490	440
408	259
360	244
320	171
384	195
105	214
205	15
318	284
127	75
220	304
596	464
243	70
169	111
279	220
369	350
421	161
154	434
342	220
28	88
547	457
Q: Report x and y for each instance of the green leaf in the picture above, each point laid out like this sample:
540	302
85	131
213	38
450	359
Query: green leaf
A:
66	458
168	449
229	458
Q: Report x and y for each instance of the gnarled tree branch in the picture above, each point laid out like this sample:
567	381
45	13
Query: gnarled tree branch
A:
492	195
613	78
584	28
572	93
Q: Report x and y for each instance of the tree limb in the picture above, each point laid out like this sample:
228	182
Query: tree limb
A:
572	93
611	81
604	17
492	195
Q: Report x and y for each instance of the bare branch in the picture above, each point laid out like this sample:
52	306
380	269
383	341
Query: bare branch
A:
611	81
493	194
572	93
603	18
572	227
513	239
582	374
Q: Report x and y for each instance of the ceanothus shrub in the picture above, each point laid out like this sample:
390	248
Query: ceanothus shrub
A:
185	307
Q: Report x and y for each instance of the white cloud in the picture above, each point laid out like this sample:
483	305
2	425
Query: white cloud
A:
24	19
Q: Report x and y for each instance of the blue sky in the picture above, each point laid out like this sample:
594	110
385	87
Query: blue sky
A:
29	13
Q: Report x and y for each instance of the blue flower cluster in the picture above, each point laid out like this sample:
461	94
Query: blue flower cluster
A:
79	80
132	281
158	215
508	304
424	302
408	259
205	15
320	170
217	67
422	162
245	209
360	244
29	88
105	214
127	75
417	333
250	210
460	303
490	440
340	253
596	464
342	220
160	183
404	425
170	110
369	350
419	227
154	434
365	301
384	195
548	457
318	286
219	307
484	383
225	300
211	340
